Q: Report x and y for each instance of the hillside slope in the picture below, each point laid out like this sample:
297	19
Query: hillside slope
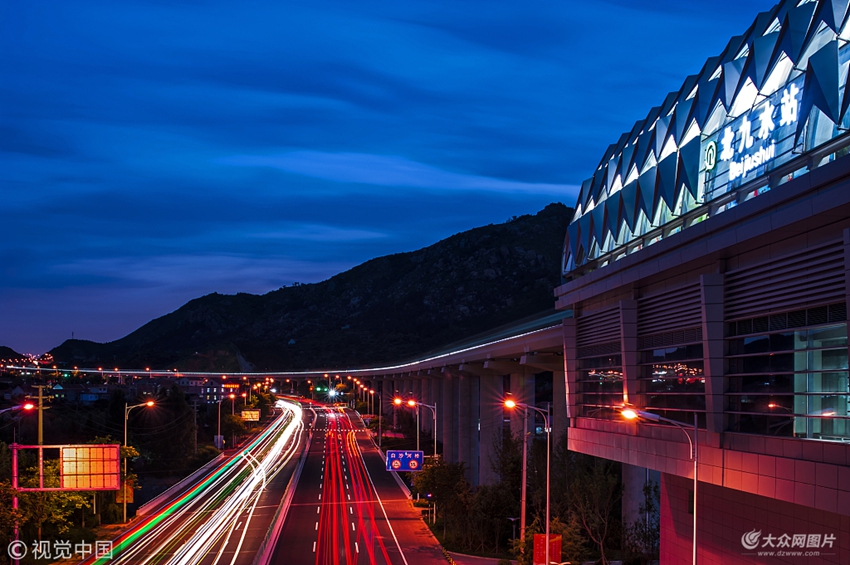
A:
386	309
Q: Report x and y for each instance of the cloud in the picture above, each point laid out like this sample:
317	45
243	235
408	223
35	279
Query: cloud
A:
315	232
384	170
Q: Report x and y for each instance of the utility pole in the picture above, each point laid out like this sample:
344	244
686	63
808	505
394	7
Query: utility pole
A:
195	420
40	413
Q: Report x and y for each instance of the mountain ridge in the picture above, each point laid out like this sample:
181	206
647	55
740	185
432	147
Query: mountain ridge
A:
384	309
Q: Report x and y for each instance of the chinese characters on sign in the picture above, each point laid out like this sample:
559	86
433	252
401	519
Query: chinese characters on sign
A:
398	460
755	135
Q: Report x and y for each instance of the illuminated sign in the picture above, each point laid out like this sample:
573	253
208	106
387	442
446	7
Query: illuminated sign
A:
749	142
80	467
398	460
230	386
251	415
768	105
90	467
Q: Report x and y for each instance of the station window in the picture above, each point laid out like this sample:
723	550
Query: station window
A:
792	381
600	383
671	375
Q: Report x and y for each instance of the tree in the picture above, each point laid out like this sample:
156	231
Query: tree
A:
232	426
450	491
491	505
506	460
8	516
595	492
642	538
573	545
50	510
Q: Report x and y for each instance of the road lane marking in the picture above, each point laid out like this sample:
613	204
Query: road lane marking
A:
317	526
352	526
314	547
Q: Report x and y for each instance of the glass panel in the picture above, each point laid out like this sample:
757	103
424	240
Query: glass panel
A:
679	401
790	383
678	353
762	383
835	336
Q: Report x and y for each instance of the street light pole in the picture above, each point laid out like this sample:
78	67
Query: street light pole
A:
412	403
634	414
522	498
127	409
545	413
218	435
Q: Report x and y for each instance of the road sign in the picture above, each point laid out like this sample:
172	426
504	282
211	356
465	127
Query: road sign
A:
251	415
539	557
399	460
81	467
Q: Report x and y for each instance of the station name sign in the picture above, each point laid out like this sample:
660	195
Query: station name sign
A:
749	143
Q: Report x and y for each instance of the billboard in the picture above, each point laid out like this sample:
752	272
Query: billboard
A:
80	467
251	415
90	467
400	460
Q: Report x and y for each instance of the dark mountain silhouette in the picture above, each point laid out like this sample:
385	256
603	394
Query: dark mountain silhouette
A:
387	309
9	353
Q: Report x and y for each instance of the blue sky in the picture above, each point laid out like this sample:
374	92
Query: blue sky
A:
154	152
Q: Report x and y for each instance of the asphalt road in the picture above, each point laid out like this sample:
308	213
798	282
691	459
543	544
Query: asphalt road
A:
224	516
347	508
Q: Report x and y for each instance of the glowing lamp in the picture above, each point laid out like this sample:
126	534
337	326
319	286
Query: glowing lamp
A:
397	401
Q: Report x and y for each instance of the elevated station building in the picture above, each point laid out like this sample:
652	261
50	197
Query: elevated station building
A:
706	271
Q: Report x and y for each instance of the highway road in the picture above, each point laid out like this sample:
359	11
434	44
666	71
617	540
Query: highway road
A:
223	518
347	509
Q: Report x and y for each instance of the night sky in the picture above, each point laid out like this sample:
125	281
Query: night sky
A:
154	152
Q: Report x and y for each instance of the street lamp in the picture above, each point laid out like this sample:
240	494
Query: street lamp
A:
511	404
433	408
634	414
380	417
218	436
127	409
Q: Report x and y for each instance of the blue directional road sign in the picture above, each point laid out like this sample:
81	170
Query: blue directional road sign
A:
398	460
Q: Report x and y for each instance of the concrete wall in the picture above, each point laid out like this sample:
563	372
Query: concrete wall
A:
725	515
